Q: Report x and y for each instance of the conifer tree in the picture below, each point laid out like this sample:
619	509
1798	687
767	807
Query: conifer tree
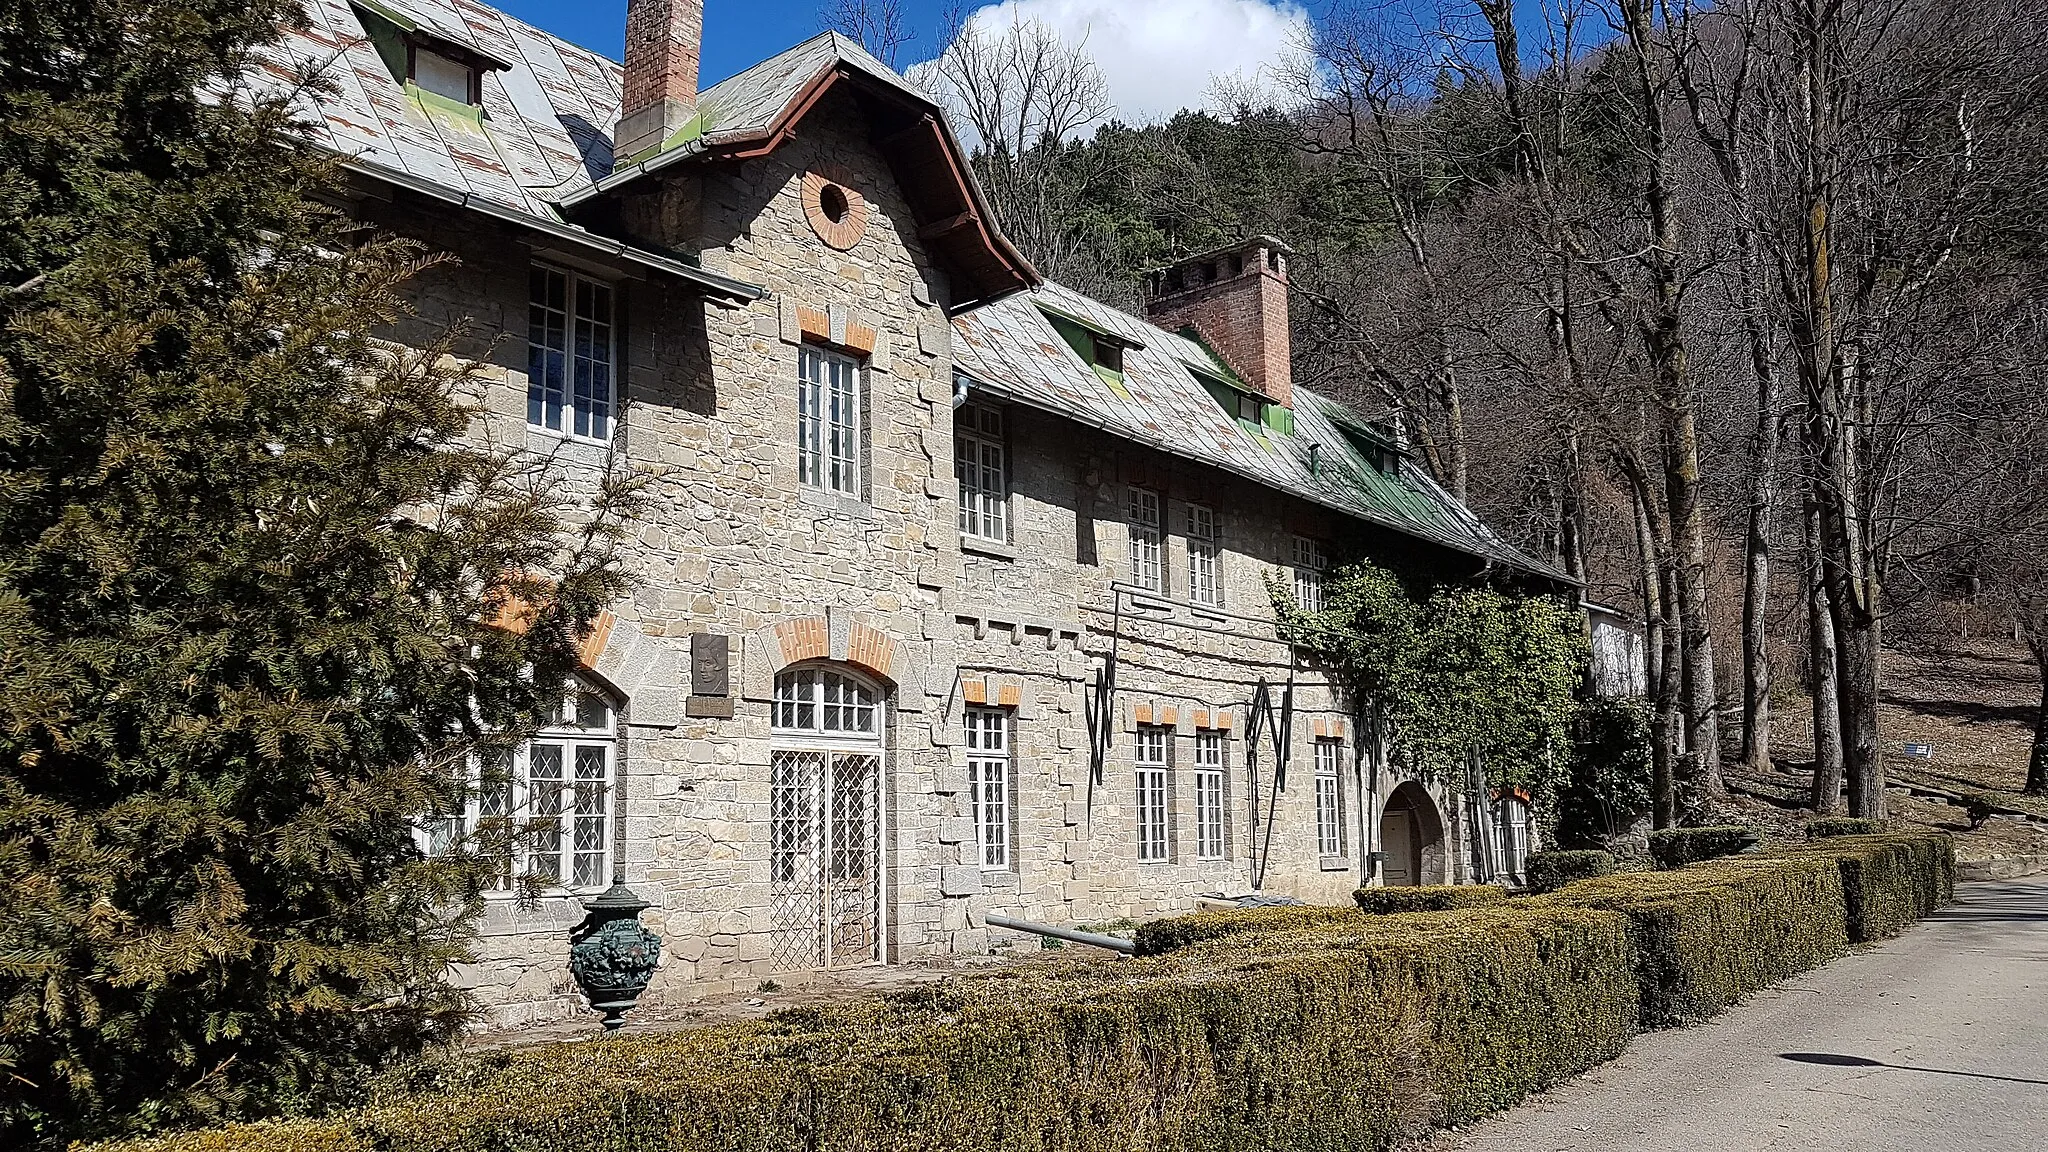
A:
250	560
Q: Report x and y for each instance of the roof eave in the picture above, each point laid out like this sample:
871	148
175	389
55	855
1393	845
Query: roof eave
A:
712	283
713	147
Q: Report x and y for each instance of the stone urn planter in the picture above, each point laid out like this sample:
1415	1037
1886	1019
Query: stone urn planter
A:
612	955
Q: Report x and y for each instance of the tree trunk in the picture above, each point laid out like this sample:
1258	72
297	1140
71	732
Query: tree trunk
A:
1859	652
1659	653
2037	764
1663	335
1827	709
1763	492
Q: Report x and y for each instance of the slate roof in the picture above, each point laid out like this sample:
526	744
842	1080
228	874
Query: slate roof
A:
751	104
546	141
1010	348
549	116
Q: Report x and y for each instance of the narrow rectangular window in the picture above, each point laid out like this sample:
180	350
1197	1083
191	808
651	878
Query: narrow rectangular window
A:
988	784
1329	800
1212	816
828	421
1152	793
1148	569
571	354
978	466
1204	585
1309	563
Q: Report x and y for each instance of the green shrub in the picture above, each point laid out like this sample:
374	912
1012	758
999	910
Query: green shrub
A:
1677	847
1888	881
1158	937
1609	785
1433	898
1549	871
1708	935
1354	1042
1830	826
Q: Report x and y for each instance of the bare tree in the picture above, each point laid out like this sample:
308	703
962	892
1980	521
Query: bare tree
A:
1902	136
1364	80
879	26
1022	92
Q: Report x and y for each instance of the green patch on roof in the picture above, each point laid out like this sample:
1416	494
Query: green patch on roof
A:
1217	365
434	103
692	130
1056	315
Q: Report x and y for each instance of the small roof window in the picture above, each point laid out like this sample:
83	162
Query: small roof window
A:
444	76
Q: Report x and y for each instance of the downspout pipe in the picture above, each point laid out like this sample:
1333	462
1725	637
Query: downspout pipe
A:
1072	935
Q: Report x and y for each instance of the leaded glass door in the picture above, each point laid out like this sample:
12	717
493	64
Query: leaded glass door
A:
825	823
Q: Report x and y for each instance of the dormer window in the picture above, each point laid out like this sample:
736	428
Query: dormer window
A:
1098	347
444	76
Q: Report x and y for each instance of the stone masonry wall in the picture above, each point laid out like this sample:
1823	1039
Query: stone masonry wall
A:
732	544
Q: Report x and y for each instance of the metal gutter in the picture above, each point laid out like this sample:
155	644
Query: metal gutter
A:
722	286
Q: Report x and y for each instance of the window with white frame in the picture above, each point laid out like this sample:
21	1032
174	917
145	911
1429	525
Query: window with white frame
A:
1153	840
1204	581
978	466
1309	563
1148	568
1511	842
546	813
572	353
821	700
828	421
1212	804
988	784
1329	799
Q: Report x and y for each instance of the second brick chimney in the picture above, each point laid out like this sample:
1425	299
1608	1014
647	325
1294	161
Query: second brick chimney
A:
1236	298
663	41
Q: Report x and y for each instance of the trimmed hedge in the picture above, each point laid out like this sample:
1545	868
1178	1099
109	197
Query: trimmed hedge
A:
1319	1029
1829	826
1708	935
1677	847
1158	937
1354	1042
1431	898
1549	871
1888	881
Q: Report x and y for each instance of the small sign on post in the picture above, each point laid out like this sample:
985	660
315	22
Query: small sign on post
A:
1919	751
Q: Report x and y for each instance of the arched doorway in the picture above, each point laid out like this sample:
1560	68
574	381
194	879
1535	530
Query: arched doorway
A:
1411	838
825	819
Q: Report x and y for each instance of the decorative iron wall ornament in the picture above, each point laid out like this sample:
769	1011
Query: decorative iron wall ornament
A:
612	955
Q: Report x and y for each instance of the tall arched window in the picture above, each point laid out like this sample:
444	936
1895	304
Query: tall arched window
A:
825	819
547	813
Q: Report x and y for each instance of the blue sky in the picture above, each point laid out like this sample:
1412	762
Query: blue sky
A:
1157	55
737	33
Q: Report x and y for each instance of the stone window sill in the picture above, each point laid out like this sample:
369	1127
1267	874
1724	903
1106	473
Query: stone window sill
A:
999	878
836	503
982	547
1333	863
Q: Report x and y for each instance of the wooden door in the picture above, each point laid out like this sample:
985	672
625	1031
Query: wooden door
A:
1399	866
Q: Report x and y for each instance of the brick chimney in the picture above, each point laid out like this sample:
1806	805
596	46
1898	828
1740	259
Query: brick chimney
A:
663	39
1236	298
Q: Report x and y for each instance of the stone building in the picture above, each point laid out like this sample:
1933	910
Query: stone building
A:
955	591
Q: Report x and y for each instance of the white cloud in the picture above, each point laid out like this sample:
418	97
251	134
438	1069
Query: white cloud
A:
1159	56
